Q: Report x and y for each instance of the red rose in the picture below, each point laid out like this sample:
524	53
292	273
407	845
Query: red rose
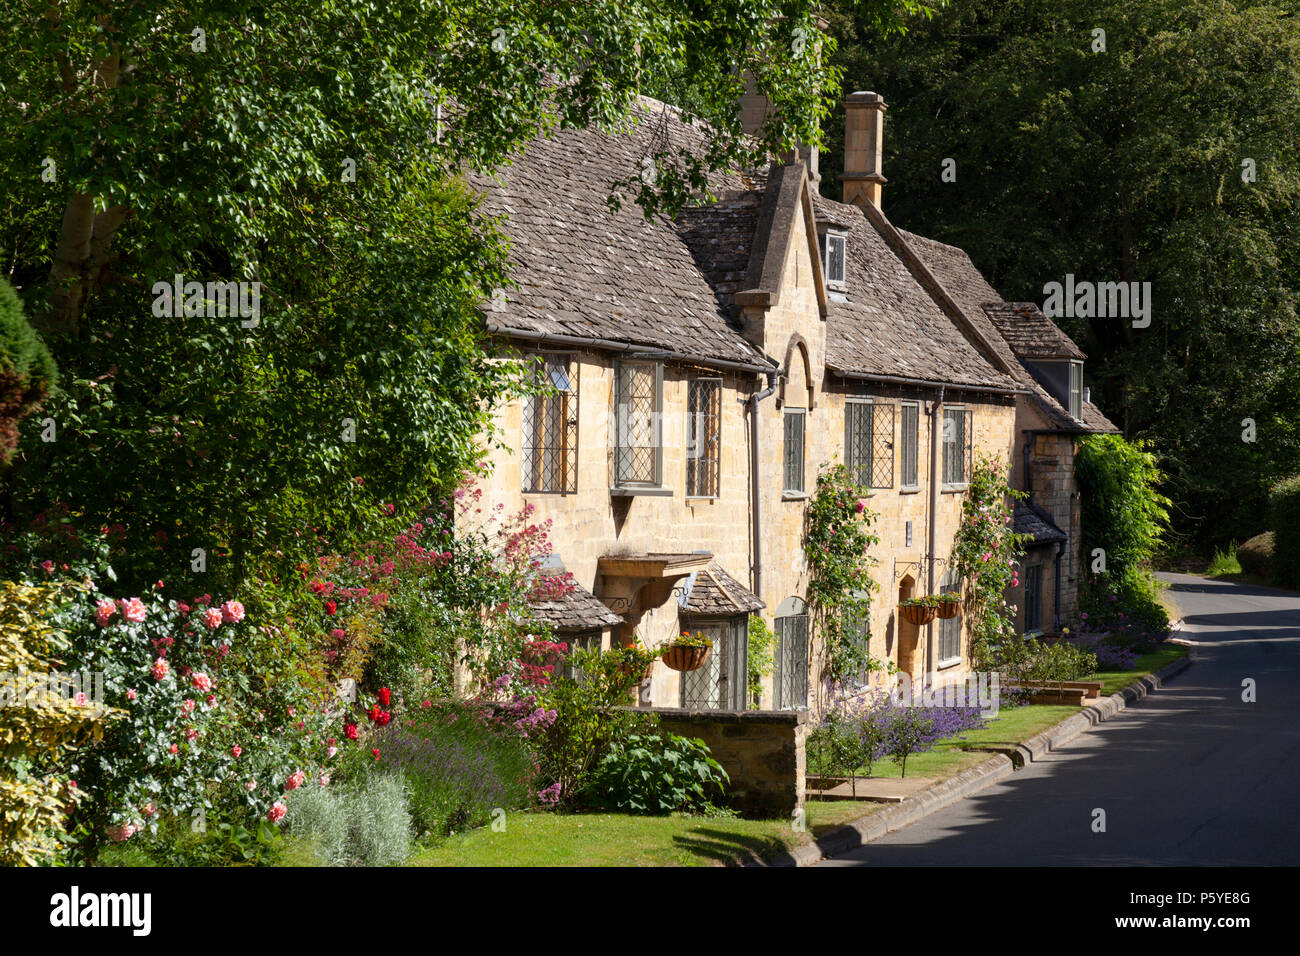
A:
330	607
350	731
383	718
385	696
375	751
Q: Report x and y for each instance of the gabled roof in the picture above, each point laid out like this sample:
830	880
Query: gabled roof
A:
986	309
579	610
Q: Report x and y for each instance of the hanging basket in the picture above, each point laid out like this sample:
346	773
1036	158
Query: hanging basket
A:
629	671
918	614
685	657
948	609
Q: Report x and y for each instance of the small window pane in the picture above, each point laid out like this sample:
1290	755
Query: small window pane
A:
637	408
703	438
835	255
794	423
549	450
910	435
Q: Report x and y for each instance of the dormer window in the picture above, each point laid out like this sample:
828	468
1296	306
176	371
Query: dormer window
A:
1076	390
835	248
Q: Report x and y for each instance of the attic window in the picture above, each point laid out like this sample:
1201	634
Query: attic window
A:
834	258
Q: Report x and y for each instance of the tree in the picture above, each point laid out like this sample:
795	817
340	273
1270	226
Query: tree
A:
1112	142
313	152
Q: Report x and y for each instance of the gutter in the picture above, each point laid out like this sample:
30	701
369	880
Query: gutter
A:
900	380
935	478
609	345
754	490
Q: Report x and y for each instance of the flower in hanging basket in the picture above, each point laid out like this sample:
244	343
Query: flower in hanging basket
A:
688	652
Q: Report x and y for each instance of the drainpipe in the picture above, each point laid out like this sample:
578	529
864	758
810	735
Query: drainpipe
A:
1056	589
935	427
756	518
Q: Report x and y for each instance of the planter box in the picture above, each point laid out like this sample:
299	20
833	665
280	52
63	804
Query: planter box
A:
1057	692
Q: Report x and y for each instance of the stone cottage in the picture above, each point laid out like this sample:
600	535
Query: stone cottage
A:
703	370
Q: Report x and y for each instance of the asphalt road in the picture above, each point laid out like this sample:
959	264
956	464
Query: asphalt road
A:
1192	775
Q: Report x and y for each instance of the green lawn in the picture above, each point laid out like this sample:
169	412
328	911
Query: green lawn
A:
614	839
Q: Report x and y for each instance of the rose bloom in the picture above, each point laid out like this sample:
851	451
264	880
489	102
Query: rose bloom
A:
202	681
251	785
295	780
331	607
191	734
133	610
188	706
332	751
236	750
383	718
212	618
130	694
385	696
103	611
324	780
277	811
174	749
80	700
159	669
232	612
350	731
149	809
212	700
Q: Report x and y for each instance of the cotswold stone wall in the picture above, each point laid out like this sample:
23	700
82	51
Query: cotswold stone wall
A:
762	752
1056	490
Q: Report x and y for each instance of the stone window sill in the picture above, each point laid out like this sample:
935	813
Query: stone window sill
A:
640	492
794	496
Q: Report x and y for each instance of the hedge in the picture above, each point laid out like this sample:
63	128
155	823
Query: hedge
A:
1284	508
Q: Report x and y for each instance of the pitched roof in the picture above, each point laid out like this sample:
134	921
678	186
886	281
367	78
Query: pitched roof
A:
581	270
986	309
889	325
1028	518
1030	333
579	610
714	591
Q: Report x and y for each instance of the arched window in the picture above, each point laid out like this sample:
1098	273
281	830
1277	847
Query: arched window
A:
950	628
791	678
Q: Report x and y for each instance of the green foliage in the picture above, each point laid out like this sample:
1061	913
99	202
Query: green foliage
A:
984	553
1122	165
1123	511
1224	562
365	824
657	773
1284	505
1023	660
42	724
760	657
591	717
837	544
1256	556
27	372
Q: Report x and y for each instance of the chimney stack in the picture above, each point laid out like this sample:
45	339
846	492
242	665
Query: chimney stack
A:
864	124
754	109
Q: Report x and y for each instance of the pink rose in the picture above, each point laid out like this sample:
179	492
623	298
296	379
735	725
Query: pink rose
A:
133	610
202	681
80	700
174	749
130	694
251	785
103	611
324	780
331	752
187	706
159	669
236	750
212	617
277	811
191	734
295	780
232	612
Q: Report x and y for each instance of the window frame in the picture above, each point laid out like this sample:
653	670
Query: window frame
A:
1037	576
788	413
1074	391
824	240
784	655
966	442
621	426
734	661
903	483
532	452
699	463
949	628
853	404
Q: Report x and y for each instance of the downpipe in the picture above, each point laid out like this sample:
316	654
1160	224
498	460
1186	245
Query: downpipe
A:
756	521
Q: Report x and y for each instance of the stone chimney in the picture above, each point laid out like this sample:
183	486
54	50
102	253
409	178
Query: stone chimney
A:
754	110
864	126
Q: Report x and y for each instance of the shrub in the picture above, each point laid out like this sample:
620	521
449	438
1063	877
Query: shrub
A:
1127	608
1025	660
591	717
911	730
656	774
851	734
27	372
459	766
1284	511
365	824
1256	556
41	721
1123	513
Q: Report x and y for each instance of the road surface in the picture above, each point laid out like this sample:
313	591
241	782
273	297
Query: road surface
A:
1192	775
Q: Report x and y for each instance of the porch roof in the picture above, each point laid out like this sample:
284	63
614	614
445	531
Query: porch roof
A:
713	591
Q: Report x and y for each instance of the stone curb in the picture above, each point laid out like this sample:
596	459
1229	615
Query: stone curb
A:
931	799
